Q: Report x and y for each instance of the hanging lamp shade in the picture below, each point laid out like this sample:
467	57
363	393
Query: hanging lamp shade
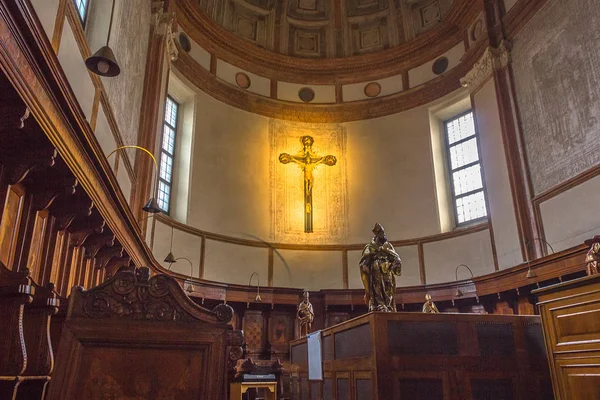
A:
170	258
103	62
151	206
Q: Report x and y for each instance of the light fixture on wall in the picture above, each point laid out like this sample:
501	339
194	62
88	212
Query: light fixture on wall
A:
530	273
170	258
190	286
103	62
151	206
257	298
458	292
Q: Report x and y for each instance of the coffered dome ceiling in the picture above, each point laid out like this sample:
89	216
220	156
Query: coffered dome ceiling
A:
326	28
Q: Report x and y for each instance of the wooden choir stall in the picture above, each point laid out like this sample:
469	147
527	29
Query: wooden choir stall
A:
406	356
141	337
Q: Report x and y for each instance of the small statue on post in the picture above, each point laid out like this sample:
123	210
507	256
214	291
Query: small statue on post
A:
305	315
429	307
379	265
592	258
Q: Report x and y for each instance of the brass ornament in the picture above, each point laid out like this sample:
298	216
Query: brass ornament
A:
307	160
379	265
305	315
592	258
429	307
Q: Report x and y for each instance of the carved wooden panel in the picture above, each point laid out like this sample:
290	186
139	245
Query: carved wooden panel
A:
281	331
253	326
110	347
10	224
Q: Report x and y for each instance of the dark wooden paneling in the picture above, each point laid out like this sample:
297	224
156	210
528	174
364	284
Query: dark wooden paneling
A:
355	342
364	389
430	389
407	338
343	389
495	339
497	389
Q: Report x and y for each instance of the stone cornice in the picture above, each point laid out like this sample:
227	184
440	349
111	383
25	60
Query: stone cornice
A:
492	59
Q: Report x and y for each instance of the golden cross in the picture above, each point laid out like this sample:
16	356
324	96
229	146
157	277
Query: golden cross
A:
307	160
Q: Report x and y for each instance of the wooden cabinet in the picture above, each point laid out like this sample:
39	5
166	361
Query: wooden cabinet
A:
570	314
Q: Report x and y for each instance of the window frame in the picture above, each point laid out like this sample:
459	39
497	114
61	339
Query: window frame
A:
83	19
451	171
171	155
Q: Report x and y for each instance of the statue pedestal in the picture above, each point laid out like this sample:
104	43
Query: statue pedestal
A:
428	356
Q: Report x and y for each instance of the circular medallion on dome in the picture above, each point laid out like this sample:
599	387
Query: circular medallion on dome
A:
184	42
372	89
306	94
242	80
440	65
477	30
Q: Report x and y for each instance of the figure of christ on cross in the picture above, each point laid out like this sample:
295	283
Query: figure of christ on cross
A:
307	160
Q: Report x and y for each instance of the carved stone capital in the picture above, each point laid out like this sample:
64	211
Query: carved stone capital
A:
491	60
163	25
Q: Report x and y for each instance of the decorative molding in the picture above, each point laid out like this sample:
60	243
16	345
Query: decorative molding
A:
163	25
492	59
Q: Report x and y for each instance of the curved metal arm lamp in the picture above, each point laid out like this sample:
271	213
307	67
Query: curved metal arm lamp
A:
190	287
530	273
151	206
257	298
458	292
103	62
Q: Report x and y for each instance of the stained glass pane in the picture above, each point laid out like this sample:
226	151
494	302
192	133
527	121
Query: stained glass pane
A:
470	207
164	192
171	112
464	153
168	143
460	128
166	167
467	180
81	6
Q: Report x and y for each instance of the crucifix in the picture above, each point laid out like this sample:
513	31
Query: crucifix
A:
307	160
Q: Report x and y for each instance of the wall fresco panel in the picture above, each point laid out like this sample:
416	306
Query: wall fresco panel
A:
557	76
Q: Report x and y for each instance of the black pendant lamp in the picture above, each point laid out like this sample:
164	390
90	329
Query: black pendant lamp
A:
103	62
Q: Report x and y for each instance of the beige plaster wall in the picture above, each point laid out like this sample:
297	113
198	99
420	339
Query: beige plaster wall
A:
442	258
311	270
571	217
389	174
